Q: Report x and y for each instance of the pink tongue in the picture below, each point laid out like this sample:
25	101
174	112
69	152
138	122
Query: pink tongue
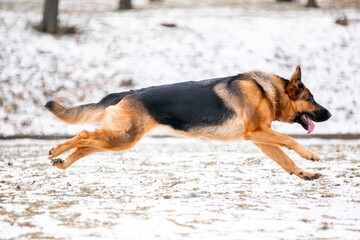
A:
311	125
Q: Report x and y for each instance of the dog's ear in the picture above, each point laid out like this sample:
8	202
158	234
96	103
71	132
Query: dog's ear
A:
294	86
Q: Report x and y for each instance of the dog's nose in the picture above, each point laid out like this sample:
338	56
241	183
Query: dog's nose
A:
322	115
328	115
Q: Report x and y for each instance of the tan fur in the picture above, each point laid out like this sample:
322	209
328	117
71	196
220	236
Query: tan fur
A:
78	114
122	127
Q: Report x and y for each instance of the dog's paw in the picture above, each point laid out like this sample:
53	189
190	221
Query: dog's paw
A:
56	161
59	163
312	176
308	176
51	152
309	155
54	152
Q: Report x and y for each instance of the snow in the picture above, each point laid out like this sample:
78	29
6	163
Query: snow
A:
210	41
174	188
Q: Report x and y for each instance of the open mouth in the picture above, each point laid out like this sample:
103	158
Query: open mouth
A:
306	122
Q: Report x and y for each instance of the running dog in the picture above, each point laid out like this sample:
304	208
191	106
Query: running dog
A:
230	108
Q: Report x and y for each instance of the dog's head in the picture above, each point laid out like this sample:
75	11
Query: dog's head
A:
304	108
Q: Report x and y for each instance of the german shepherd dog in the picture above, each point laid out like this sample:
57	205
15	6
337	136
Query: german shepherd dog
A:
230	108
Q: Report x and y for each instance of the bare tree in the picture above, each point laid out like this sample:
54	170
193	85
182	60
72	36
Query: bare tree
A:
49	23
125	4
311	4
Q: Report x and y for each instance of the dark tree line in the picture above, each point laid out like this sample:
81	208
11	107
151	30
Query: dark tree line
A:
310	3
126	4
49	22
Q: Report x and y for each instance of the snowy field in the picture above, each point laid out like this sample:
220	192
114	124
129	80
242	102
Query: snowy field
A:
212	39
168	188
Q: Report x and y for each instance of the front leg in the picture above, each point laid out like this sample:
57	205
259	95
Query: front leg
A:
278	156
268	136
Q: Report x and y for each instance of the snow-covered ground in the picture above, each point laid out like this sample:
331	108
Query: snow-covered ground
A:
209	41
169	188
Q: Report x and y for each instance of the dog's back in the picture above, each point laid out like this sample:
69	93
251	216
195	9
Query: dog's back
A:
180	105
186	105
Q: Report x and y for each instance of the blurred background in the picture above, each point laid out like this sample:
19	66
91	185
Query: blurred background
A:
79	51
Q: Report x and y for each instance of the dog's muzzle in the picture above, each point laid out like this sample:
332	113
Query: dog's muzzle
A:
321	115
305	118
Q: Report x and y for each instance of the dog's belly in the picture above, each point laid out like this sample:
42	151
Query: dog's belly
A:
230	130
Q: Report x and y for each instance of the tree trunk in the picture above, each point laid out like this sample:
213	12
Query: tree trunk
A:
311	4
125	4
49	22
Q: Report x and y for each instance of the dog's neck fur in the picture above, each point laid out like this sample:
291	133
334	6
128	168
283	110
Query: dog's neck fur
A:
284	106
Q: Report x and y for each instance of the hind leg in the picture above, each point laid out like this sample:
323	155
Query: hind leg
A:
90	142
84	139
123	126
101	139
76	155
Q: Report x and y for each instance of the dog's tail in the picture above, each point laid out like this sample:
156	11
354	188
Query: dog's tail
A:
87	113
